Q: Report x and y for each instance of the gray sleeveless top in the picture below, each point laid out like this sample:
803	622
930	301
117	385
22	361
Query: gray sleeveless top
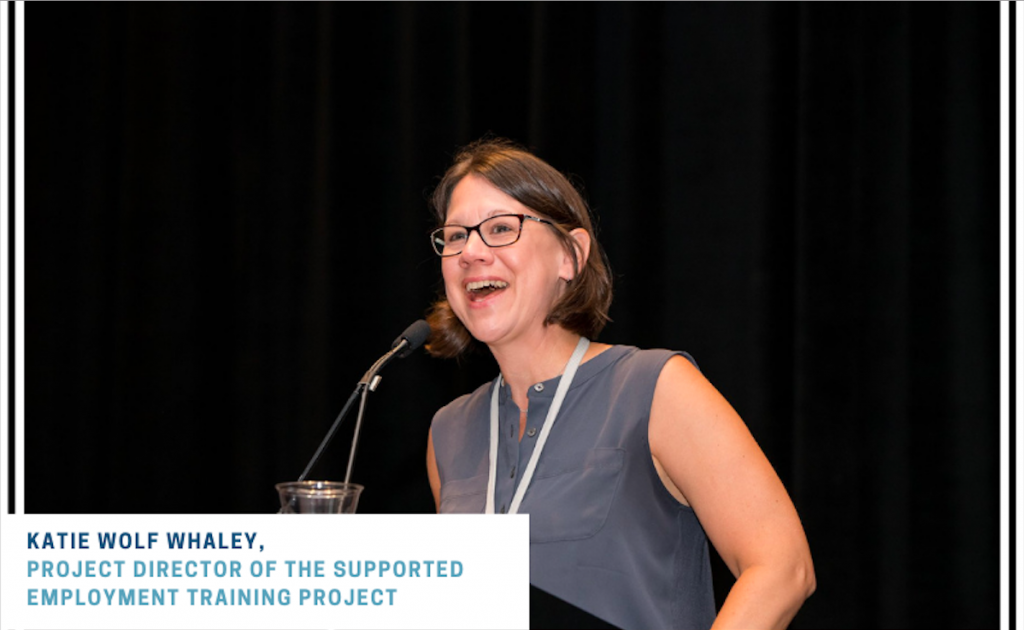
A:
605	534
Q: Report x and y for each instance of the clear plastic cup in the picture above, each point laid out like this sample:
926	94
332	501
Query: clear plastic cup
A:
318	497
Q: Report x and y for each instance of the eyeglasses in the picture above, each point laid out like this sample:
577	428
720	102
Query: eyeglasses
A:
497	231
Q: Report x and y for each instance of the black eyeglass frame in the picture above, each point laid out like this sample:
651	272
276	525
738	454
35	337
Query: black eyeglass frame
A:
476	228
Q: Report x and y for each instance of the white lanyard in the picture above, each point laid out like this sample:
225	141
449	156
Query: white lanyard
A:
524	481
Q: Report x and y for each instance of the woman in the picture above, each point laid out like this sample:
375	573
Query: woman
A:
627	461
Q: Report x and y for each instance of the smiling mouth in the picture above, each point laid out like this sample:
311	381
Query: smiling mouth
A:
483	288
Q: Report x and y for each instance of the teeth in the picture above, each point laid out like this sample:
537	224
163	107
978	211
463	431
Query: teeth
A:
483	284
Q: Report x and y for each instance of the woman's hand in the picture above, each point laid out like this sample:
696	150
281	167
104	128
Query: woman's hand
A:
709	460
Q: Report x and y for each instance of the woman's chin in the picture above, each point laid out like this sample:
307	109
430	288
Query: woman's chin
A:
485	336
485	332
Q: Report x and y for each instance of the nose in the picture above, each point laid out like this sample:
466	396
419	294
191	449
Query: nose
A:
475	250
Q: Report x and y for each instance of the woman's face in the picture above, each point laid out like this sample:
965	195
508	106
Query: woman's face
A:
524	279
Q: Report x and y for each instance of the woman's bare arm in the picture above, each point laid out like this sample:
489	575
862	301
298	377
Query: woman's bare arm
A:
713	464
432	474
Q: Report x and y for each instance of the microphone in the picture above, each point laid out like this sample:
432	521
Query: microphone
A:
411	339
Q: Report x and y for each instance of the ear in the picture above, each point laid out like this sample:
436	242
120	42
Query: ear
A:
581	242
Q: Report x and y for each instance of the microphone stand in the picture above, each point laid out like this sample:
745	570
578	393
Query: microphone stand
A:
331	432
367	384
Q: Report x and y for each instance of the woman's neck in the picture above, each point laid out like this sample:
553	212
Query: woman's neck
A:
543	357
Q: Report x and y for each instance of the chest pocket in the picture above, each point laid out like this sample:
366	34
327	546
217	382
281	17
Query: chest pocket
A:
464	496
571	499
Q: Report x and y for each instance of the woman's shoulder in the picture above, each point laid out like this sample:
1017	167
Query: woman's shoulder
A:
465	407
627	373
632	358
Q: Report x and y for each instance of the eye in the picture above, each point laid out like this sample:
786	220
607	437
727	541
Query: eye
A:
502	225
454	235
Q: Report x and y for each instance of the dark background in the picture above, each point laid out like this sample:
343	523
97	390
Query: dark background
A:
226	224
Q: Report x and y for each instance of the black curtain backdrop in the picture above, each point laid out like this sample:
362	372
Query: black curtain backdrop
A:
226	224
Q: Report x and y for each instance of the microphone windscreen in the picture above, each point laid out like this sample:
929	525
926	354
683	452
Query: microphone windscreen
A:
415	335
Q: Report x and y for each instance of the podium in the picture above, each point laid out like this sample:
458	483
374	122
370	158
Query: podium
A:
549	611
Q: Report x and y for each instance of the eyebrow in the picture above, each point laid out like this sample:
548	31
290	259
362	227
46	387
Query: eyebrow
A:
491	213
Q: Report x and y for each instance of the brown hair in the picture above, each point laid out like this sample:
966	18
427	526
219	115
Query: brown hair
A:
583	308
